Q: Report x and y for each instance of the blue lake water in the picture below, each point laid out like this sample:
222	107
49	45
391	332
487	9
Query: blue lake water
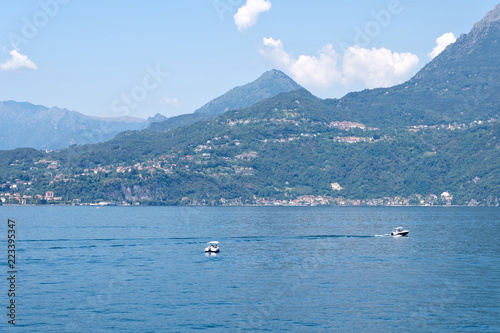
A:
299	269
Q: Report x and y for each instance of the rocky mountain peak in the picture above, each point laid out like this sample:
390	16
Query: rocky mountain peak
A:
269	84
487	27
491	19
156	119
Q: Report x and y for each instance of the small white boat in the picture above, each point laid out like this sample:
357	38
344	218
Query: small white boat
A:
399	232
212	247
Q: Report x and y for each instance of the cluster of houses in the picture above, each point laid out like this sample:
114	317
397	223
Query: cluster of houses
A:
449	127
18	198
312	200
348	125
352	139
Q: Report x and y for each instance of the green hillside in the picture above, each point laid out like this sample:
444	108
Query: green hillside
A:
277	154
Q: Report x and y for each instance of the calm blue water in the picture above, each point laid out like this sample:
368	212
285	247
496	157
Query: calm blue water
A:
309	269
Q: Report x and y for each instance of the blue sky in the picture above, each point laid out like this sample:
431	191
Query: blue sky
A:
138	58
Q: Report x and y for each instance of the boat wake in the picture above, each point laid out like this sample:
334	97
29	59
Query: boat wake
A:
301	237
333	236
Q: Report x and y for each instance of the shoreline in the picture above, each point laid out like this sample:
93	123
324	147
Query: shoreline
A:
241	205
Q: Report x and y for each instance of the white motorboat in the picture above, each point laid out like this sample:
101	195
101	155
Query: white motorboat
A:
399	232
212	247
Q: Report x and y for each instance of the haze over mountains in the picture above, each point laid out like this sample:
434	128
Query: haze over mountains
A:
23	124
431	140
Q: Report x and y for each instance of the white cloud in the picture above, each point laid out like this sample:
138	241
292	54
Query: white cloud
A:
248	14
273	49
377	67
318	70
372	68
18	61
441	43
171	101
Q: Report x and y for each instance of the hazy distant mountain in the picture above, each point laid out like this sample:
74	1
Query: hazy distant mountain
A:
23	124
156	119
269	84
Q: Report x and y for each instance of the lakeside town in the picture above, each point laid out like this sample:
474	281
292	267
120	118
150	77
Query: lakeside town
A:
445	199
37	178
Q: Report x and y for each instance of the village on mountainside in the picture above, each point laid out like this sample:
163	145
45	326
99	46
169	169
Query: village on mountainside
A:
198	161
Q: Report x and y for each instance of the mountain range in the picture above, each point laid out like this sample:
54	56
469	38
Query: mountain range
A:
23	124
431	140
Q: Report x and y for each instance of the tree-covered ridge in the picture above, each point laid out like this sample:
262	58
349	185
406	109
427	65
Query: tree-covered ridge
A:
279	154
